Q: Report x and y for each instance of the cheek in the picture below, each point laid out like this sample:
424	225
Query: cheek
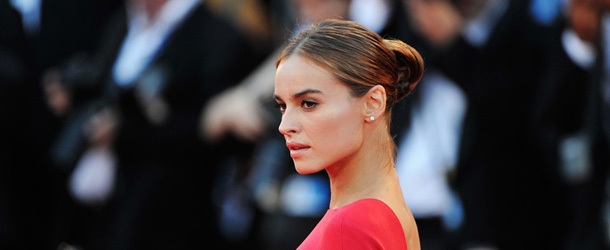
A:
338	134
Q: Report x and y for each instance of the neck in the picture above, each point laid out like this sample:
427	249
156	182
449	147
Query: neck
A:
369	173
150	8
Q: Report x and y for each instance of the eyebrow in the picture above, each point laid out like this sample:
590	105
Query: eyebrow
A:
299	94
304	92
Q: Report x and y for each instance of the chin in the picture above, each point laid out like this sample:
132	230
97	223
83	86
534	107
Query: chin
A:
304	169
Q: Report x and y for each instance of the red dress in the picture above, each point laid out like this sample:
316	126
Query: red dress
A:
364	224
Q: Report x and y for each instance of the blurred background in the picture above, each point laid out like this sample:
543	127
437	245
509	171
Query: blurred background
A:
150	124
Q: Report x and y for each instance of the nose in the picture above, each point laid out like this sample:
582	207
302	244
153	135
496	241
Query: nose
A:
288	125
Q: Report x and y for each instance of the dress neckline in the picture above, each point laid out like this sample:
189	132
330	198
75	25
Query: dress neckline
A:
361	201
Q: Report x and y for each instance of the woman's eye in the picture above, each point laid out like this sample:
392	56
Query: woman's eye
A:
308	104
281	107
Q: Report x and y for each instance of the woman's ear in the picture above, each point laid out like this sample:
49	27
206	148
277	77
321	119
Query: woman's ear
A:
374	103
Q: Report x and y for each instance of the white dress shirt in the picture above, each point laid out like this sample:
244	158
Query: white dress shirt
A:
477	30
145	38
30	14
430	147
372	14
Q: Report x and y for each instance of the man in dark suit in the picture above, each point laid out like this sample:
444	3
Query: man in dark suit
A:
159	63
13	107
511	195
573	120
28	47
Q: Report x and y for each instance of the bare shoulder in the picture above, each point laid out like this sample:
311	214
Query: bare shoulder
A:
407	222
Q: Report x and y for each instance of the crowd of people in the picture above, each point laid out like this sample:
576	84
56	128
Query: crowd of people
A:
149	124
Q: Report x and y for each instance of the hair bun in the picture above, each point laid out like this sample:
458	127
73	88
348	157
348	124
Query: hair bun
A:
410	66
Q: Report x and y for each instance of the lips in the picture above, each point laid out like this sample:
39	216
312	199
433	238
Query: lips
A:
296	149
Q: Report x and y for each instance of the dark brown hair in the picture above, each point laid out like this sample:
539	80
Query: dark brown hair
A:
360	58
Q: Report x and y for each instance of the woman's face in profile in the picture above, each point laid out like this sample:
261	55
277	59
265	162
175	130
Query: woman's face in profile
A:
321	122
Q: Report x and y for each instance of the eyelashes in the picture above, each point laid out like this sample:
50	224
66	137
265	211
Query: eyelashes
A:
307	105
280	106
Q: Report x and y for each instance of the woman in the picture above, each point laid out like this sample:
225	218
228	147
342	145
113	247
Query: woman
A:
335	85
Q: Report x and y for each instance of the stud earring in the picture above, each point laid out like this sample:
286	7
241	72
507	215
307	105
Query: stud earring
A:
372	118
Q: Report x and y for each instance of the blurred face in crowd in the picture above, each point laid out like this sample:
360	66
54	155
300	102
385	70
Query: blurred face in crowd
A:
605	4
321	121
585	18
470	8
152	7
318	10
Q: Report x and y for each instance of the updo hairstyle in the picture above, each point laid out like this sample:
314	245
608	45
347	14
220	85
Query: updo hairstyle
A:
359	58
